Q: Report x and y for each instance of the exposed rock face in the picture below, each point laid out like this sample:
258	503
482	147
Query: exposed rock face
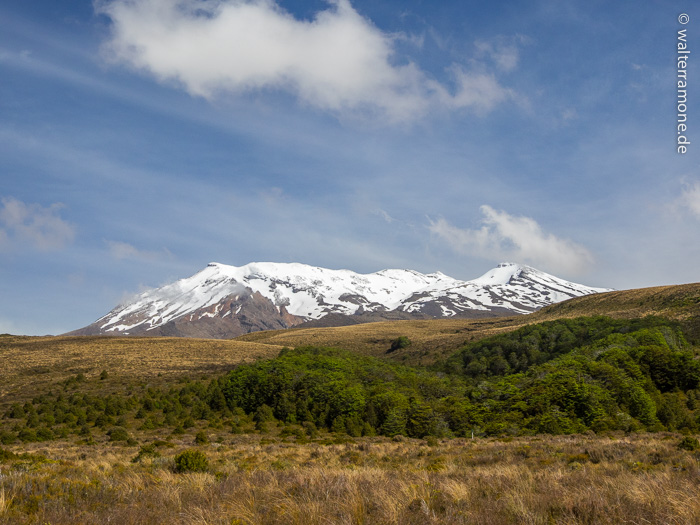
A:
233	315
226	301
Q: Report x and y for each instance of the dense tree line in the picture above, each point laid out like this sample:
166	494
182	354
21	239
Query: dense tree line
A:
558	377
532	345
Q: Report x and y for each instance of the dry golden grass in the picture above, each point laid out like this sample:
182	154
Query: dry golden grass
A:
538	480
30	364
429	338
434	339
678	302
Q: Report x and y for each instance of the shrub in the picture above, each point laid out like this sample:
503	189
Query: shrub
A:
431	441
16	411
6	455
191	461
201	438
118	434
7	437
146	451
27	435
310	429
44	434
689	443
399	343
263	414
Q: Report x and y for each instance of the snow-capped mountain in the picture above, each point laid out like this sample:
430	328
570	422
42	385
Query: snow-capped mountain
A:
225	301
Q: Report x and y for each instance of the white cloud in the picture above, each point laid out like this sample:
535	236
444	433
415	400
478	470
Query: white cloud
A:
384	215
480	91
690	198
338	61
502	51
40	227
520	239
505	57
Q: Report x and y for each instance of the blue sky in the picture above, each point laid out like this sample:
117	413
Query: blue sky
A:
142	139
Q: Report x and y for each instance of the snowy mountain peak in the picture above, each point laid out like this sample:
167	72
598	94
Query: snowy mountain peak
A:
223	300
501	274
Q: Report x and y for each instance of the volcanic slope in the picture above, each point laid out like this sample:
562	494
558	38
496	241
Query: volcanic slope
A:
226	301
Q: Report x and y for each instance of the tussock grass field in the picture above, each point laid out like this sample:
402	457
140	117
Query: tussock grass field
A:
679	302
29	365
430	339
635	479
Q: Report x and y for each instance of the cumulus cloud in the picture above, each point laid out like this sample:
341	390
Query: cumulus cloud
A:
690	198
32	224
520	239
339	61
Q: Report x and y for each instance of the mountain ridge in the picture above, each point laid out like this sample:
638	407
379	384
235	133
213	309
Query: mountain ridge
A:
224	301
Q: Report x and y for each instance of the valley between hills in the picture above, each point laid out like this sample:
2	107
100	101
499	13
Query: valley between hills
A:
461	424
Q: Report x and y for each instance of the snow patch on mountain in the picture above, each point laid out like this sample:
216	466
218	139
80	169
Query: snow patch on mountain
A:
305	292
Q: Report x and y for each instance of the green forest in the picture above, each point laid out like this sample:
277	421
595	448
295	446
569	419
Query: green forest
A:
560	377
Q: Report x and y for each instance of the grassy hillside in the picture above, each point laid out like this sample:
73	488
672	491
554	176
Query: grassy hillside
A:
435	339
33	364
677	302
430	339
565	376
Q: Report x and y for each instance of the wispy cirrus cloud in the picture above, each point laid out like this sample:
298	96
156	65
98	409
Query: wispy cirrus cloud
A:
124	250
502	51
339	61
690	198
521	239
34	225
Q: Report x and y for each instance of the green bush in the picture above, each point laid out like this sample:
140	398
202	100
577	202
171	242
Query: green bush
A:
44	434
201	438
191	461
146	451
6	455
399	343
689	443
7	437
118	434
27	435
263	414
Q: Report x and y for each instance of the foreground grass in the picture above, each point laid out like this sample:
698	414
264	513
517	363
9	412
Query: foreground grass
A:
641	478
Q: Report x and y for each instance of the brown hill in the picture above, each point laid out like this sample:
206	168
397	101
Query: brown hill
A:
680	302
436	338
32	364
